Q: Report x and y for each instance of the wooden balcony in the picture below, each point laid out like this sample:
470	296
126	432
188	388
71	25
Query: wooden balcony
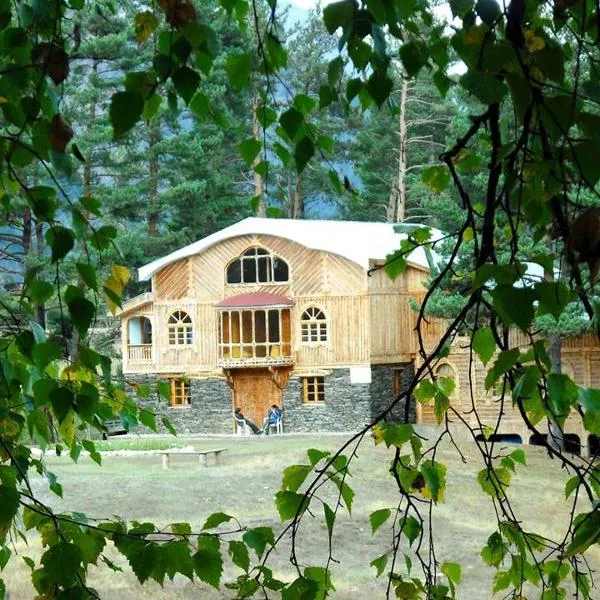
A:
255	355
139	353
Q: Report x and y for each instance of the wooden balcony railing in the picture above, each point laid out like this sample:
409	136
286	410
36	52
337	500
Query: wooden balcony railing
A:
255	355
141	353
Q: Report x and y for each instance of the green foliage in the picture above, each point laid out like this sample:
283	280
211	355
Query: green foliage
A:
519	129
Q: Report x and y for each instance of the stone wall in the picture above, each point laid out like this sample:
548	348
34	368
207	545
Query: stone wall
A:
209	412
382	391
346	406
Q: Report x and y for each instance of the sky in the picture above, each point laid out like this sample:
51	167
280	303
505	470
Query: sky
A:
442	10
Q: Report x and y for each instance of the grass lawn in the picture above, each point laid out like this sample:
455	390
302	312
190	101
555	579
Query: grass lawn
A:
244	484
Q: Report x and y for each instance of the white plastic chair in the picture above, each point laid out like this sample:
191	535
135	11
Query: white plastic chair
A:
241	427
278	425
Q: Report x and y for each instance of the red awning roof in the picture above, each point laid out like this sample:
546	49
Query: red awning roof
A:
255	300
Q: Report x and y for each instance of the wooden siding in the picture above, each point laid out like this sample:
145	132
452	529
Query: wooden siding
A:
413	280
172	282
194	285
312	272
348	336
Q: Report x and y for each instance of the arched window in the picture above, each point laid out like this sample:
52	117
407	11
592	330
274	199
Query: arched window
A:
258	265
313	325
180	329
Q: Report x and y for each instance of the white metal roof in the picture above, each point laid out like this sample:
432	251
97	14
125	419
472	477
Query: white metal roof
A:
354	240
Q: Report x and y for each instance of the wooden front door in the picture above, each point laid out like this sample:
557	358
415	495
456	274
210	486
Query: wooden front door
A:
254	391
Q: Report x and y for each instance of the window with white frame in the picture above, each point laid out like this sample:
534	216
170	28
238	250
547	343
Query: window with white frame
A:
313	326
258	265
180	329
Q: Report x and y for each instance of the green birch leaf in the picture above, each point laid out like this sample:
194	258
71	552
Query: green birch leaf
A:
379	563
315	456
82	313
249	150
571	485
587	532
238	69
167	423
258	539
151	106
434	474
487	88
289	504
411	528
338	14
176	558
329	518
186	82
125	111
208	563
345	491
144	25
378	518
484	344
380	86
304	151
514	305
294	476
148	419
63	563
436	178
9	505
215	520
453	571
494	482
239	554
61	241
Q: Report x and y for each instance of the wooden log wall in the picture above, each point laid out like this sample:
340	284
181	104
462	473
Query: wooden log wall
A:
581	361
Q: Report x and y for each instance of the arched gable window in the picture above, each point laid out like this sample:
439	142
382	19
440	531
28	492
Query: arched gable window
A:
313	325
180	329
257	265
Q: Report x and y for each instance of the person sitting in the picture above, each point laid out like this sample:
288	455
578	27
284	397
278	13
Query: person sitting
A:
272	418
240	417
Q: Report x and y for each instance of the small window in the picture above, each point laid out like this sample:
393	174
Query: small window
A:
313	325
313	389
180	393
257	265
180	329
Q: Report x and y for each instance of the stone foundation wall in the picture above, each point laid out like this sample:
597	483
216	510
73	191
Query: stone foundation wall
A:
209	412
346	406
382	392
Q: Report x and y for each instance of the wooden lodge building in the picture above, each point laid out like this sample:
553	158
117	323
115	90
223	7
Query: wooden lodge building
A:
290	312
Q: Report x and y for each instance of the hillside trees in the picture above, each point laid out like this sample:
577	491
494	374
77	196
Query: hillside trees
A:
536	65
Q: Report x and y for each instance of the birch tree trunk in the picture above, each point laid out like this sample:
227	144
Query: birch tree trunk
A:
259	181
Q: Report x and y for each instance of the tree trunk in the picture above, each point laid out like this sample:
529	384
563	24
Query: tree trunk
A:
556	437
403	158
259	181
298	200
26	231
39	247
396	209
153	197
87	191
